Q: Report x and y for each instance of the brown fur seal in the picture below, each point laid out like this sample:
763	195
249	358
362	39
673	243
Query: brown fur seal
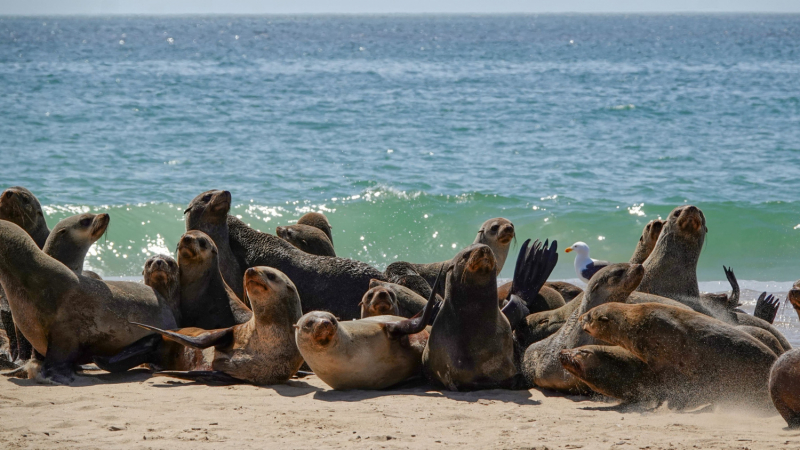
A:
471	345
541	364
72	237
784	387
307	238
372	353
496	233
161	272
614	372
70	318
409	302
18	205
647	241
261	351
701	359
318	221
206	300
379	301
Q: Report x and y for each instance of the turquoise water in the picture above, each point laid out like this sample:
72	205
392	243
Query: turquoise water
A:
409	132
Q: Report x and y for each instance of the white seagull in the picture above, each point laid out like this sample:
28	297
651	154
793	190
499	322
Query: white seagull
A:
585	267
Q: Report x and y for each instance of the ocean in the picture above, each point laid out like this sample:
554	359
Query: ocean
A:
409	131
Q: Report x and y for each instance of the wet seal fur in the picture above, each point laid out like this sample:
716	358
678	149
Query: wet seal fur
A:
784	377
71	239
698	359
541	364
372	353
261	351
318	221
74	317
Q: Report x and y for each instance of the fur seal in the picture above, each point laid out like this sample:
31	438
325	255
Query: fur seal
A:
647	241
379	301
541	364
409	302
614	372
71	238
261	351
372	353
471	346
75	317
161	272
318	221
206	300
701	359
496	233
307	238
784	388
18	205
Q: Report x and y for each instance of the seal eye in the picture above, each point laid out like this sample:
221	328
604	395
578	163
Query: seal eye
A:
171	263
602	319
86	222
676	213
207	197
203	243
271	276
495	228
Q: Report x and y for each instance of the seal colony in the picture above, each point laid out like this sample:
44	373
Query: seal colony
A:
237	305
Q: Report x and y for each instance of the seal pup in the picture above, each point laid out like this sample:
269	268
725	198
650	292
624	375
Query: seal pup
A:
72	237
372	353
471	346
496	233
541	364
307	238
206	300
318	221
161	272
701	359
69	318
379	301
261	351
18	205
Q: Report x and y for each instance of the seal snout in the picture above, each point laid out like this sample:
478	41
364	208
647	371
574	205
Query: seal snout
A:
481	260
690	218
100	225
571	360
221	202
377	302
635	275
794	297
319	326
506	233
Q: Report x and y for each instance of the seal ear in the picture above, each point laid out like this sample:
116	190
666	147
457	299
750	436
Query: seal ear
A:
195	337
417	323
188	209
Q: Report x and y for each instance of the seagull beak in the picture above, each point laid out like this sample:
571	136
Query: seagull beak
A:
568	249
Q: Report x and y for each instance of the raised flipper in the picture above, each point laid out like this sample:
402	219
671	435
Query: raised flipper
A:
140	352
515	311
733	299
241	311
202	376
195	337
417	323
767	307
534	266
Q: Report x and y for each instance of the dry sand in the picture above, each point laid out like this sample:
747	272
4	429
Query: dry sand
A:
137	410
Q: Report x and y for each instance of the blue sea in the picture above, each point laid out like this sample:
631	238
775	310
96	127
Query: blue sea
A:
410	131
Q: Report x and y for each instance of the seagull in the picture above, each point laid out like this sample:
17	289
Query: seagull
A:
585	267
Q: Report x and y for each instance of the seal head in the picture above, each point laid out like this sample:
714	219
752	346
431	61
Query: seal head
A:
72	237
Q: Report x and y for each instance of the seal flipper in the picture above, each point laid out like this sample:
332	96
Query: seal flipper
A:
213	377
417	323
195	337
767	307
733	299
241	310
533	267
140	352
515	311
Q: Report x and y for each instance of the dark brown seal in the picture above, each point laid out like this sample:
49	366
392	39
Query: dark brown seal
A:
307	238
784	387
701	359
206	300
69	318
409	302
261	351
471	345
647	241
541	364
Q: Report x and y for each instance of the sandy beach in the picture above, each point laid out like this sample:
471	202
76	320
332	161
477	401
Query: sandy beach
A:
137	410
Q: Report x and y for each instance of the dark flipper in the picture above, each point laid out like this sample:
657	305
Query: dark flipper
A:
418	322
515	311
214	377
733	299
534	266
140	352
767	307
195	337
